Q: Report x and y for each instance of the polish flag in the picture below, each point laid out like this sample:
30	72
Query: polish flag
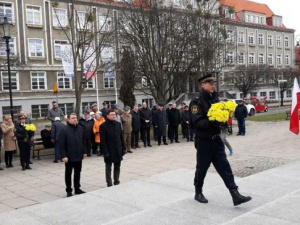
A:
294	122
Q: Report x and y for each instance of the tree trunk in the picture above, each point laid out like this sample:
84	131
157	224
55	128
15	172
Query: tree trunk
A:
281	97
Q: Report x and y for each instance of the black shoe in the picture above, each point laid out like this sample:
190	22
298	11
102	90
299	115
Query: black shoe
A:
145	145
238	134
109	185
116	182
23	168
79	192
69	194
243	134
28	167
11	165
192	140
30	162
129	151
200	198
89	155
149	145
7	166
100	154
165	143
1	168
171	141
237	198
177	142
159	144
55	161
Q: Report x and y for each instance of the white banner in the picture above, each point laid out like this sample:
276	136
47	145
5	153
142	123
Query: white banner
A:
90	62
67	59
107	56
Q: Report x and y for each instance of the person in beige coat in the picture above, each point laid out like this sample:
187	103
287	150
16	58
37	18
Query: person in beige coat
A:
9	139
126	119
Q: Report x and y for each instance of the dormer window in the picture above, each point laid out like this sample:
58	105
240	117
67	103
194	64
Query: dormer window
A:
228	12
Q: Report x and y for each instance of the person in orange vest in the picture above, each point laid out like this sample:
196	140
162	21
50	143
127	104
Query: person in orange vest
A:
96	129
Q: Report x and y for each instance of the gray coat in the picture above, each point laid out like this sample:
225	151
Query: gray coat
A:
52	113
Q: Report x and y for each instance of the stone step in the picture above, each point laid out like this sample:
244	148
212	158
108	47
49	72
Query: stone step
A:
167	198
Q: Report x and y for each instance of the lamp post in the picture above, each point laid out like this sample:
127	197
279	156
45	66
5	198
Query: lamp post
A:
6	36
217	71
279	90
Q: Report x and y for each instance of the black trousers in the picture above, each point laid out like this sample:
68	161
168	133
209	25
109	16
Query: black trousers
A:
155	133
146	135
134	138
159	139
88	144
117	170
212	151
173	133
8	157
189	134
24	148
183	130
68	175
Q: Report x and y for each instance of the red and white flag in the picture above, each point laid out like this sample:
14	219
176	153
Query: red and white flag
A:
294	123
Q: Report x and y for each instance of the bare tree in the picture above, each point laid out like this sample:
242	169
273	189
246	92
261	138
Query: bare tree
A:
88	36
171	43
283	79
248	78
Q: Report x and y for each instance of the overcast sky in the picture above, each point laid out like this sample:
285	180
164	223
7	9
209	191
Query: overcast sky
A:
289	10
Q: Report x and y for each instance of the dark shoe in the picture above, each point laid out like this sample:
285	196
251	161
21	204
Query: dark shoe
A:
7	166
238	134
30	162
177	142
100	154
11	165
200	198
79	192
149	145
165	143
1	168
188	140
243	134
55	161
237	198
159	144
171	141
109	185
129	151
116	182
138	146
145	145
192	140
23	168
28	167
89	155
69	194
133	147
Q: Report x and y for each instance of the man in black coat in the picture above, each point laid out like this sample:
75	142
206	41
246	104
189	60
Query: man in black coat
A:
241	114
46	136
146	118
136	126
57	126
87	124
210	148
185	118
174	121
160	123
113	147
72	150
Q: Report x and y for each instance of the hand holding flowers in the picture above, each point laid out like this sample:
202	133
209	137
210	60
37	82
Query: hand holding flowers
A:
221	111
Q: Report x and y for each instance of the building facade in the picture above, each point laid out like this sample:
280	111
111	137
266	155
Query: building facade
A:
257	36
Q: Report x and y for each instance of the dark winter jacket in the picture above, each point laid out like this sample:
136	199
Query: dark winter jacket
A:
160	120
136	121
174	117
71	142
185	117
145	114
112	141
21	134
87	126
240	112
46	137
198	108
57	126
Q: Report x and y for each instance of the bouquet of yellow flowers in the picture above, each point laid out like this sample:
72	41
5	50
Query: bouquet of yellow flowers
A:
29	128
221	111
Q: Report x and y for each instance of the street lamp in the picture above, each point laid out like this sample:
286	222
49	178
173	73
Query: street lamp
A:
6	36
217	71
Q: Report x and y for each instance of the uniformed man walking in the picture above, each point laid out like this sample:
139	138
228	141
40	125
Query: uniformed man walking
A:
210	148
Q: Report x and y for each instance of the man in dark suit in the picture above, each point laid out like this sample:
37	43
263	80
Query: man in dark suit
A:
46	136
57	126
72	149
113	147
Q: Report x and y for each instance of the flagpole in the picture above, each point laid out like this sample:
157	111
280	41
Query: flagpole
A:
97	91
116	89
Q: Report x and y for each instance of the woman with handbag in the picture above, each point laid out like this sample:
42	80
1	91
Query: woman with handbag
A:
9	139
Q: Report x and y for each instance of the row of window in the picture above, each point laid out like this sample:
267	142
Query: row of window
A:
38	81
260	39
241	59
272	94
250	18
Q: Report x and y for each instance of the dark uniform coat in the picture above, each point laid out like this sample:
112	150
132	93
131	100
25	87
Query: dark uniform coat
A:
136	121
112	141
160	119
174	117
145	114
